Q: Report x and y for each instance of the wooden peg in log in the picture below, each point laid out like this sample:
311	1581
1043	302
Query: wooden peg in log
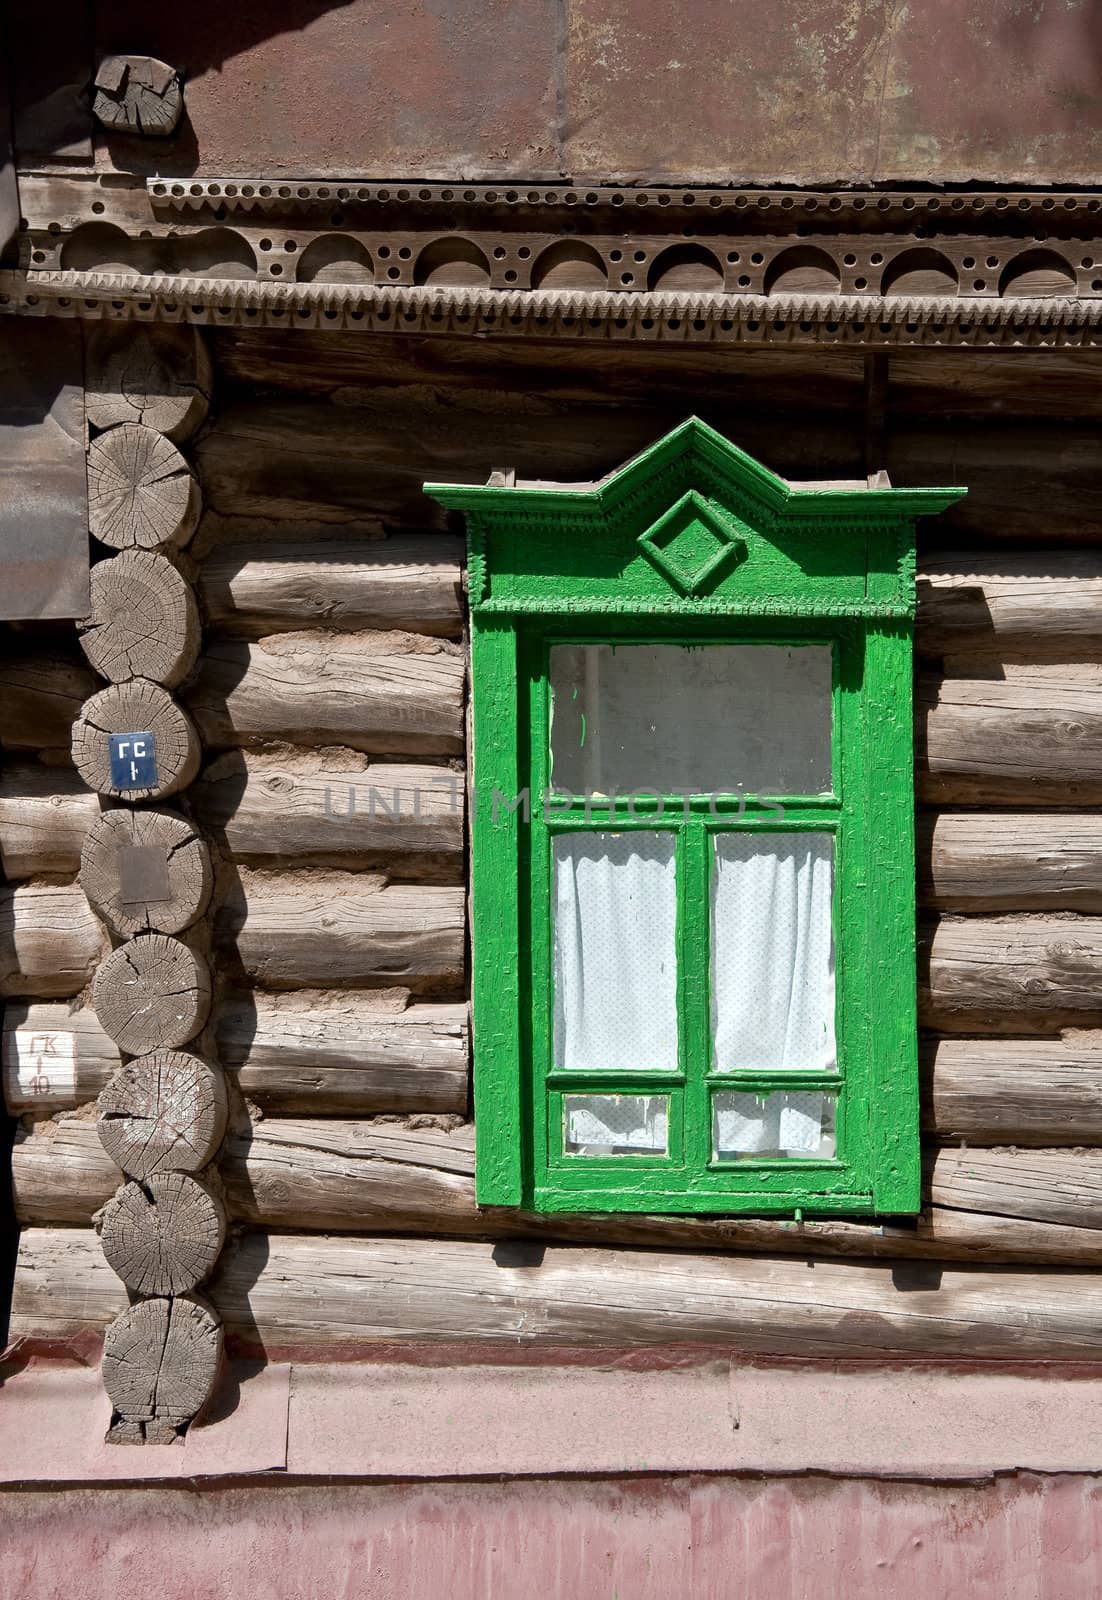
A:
141	493
164	1113
152	993
135	707
138	94
163	1236
144	621
160	1365
145	871
159	376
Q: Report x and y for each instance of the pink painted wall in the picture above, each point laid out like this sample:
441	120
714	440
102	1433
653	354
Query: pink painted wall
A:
680	1538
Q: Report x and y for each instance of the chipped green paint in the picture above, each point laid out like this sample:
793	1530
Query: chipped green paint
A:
694	542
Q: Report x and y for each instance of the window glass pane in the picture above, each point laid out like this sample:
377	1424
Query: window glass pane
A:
615	1124
615	958
715	719
772	952
779	1123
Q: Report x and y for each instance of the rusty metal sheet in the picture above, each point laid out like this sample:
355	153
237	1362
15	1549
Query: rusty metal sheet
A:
826	90
465	87
43	486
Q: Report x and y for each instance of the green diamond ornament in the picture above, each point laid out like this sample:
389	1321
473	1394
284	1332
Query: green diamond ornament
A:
691	544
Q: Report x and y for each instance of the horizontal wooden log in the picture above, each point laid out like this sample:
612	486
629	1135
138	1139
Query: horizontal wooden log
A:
317	1053
1060	1186
40	698
44	814
1015	1091
327	1176
306	808
54	1056
1011	974
991	602
1033	736
991	385
325	1052
305	930
1010	861
50	941
385	694
410	582
145	871
310	459
290	1295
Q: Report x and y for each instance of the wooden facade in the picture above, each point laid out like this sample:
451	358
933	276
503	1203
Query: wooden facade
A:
236	1037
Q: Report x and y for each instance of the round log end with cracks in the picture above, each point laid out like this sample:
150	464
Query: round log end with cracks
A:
152	993
138	94
135	707
144	621
158	375
163	1236
145	872
164	1113
141	493
160	1365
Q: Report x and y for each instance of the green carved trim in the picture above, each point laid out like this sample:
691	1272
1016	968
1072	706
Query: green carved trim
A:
742	557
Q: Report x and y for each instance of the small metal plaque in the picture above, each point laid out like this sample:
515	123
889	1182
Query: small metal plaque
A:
133	760
143	874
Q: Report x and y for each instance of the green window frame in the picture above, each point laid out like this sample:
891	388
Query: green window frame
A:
690	546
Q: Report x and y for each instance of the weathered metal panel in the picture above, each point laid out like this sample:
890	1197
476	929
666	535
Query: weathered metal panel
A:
693	90
453	87
949	90
43	485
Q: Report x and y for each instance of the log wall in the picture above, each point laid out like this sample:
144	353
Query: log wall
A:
328	704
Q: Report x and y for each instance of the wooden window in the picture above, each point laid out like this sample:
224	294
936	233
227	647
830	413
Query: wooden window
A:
693	858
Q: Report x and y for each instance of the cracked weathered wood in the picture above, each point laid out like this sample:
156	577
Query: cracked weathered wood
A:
165	1112
1016	1091
341	929
160	1364
135	707
152	993
291	1293
1011	974
1010	861
158	375
327	1052
54	1056
387	694
40	697
1022	735
50	940
409	582
162	1236
144	621
335	809
138	95
321	1175
145	871
141	492
44	814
